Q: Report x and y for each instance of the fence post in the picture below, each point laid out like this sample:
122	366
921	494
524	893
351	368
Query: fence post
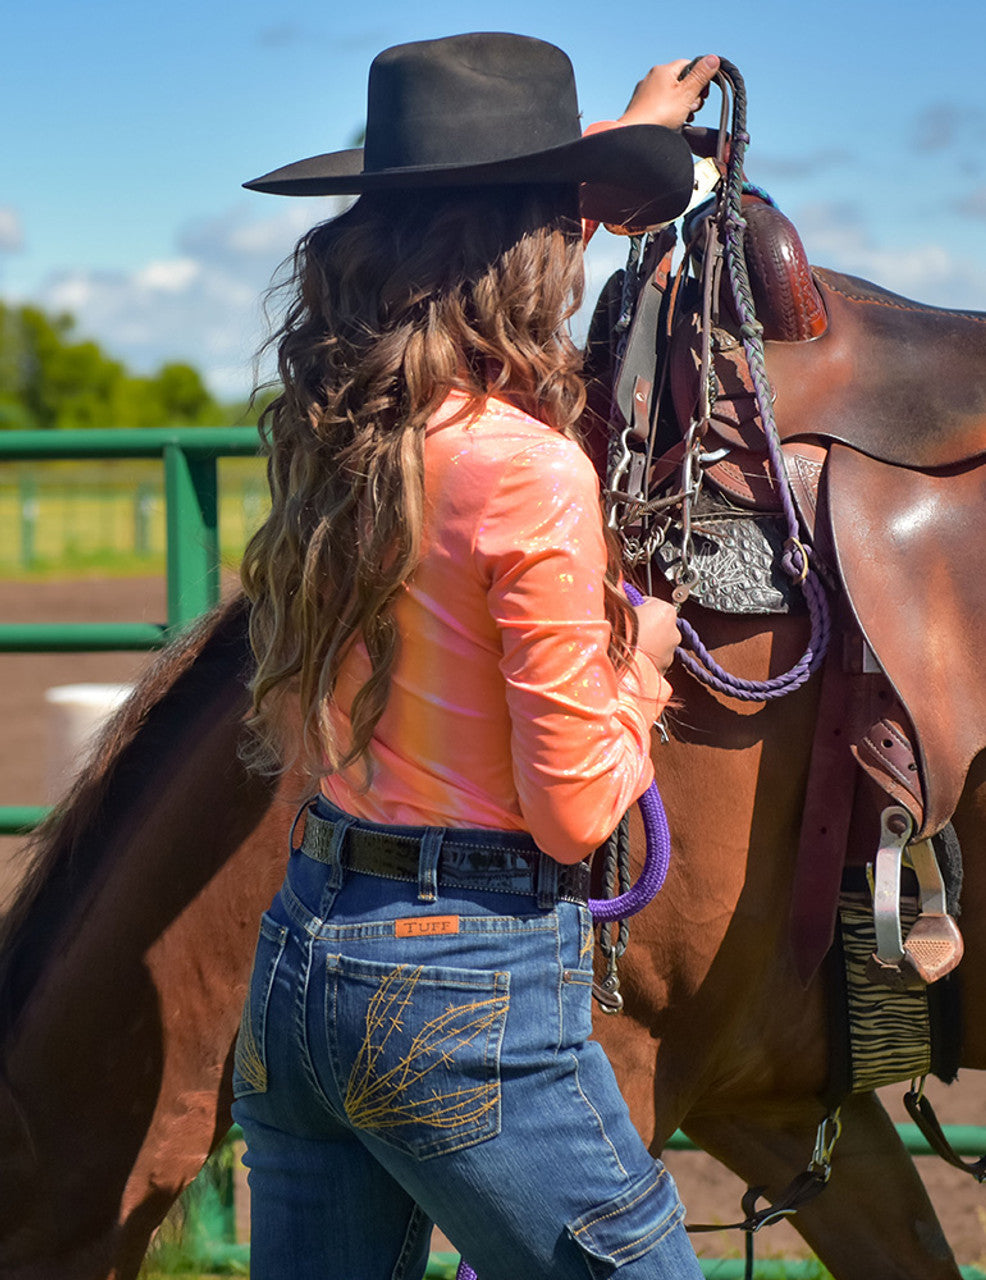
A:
143	510
29	518
193	535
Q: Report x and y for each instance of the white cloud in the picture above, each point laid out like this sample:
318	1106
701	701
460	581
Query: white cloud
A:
793	168
171	276
929	270
11	234
972	205
937	127
201	305
265	234
280	34
69	293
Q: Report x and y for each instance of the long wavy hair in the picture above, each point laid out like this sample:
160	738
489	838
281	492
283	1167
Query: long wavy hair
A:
400	299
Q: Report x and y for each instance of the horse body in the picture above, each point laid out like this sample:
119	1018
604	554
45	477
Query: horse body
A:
734	1049
123	990
124	963
121	997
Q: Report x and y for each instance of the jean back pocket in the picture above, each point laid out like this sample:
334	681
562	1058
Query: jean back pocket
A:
416	1051
250	1057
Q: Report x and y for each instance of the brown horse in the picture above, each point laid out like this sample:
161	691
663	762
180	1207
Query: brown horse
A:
126	957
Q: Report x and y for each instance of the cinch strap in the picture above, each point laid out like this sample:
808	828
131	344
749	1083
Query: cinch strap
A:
431	848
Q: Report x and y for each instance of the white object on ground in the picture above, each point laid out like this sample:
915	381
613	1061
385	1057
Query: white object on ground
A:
76	713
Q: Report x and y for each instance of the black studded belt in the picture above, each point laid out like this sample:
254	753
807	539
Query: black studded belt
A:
466	860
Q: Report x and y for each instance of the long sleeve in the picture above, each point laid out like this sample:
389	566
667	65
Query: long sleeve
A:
580	737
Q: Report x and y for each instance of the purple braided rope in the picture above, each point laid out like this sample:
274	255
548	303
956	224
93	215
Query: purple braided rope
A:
658	855
705	668
656	861
465	1271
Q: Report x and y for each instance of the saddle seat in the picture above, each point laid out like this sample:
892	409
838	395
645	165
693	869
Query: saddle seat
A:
898	380
901	382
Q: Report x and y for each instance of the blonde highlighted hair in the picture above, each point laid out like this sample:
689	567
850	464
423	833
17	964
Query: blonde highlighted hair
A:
402	298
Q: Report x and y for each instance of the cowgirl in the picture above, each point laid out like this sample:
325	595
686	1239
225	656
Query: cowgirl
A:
439	629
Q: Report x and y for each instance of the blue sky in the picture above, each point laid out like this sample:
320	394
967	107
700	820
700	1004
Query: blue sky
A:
129	127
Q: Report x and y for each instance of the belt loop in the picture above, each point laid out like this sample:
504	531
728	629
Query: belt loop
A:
548	871
431	848
334	850
306	805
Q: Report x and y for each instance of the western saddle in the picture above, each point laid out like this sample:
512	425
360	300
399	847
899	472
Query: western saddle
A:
880	410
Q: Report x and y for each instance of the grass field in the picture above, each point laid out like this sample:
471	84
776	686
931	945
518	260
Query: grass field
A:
109	517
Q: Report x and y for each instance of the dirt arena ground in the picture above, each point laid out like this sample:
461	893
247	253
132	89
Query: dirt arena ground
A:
711	1194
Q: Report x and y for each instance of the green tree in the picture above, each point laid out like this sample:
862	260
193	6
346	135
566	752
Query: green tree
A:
50	379
184	395
58	382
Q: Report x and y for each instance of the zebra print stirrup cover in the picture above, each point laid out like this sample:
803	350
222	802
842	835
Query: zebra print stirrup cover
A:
878	1036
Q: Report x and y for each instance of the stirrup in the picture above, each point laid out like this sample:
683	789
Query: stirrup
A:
934	943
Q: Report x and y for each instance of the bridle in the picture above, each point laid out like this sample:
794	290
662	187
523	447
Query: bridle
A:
643	521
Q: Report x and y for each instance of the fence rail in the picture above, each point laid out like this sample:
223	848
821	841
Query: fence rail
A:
189	457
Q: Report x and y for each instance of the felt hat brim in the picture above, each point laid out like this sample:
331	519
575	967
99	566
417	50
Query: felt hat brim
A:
621	171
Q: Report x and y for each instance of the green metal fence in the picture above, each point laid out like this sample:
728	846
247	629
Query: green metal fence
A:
189	457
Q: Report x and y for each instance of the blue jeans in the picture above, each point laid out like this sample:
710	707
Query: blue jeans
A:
416	1051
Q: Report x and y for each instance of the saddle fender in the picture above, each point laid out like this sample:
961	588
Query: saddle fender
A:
907	548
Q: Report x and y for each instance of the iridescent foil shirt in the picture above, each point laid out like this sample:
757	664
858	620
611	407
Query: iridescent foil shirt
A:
504	709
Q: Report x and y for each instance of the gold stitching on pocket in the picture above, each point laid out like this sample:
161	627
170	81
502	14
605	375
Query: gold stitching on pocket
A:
249	1061
378	1098
622	1208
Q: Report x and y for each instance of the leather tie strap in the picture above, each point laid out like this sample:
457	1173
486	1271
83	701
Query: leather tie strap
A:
798	1192
923	1114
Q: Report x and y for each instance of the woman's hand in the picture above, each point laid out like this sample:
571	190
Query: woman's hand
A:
661	98
657	636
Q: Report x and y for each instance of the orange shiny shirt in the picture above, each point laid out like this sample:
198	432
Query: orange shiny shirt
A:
504	709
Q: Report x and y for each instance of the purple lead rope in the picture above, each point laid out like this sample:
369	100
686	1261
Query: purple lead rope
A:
651	879
648	884
658	840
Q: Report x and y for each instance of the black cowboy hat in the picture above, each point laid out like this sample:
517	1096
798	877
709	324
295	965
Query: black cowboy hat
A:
494	108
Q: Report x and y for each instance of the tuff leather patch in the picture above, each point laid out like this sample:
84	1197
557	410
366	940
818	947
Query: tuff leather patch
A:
425	926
